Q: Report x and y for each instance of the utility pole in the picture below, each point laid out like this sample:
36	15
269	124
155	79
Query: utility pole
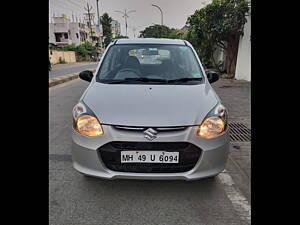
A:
125	15
162	21
88	9
97	1
98	12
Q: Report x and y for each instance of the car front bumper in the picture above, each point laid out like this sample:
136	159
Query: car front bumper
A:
212	160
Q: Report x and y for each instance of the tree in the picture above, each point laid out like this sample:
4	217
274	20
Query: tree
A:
120	36
175	33
71	47
86	48
106	25
156	31
219	24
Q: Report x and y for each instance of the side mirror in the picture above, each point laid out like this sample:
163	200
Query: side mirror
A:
212	76
86	75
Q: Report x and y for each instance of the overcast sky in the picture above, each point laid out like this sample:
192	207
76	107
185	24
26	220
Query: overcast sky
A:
175	12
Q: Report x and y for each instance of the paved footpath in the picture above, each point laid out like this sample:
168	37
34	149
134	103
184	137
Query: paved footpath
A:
74	199
236	96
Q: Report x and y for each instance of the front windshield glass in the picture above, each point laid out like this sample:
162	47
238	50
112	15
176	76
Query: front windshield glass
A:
150	63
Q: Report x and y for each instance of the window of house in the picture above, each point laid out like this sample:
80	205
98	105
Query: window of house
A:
58	37
77	35
66	35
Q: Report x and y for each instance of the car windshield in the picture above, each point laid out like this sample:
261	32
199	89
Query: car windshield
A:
157	64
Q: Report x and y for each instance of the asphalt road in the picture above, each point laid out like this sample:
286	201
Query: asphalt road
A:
75	199
60	70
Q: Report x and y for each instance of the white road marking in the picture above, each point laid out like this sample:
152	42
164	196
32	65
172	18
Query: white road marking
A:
239	202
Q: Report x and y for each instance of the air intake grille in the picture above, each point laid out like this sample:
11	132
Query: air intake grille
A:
160	129
239	132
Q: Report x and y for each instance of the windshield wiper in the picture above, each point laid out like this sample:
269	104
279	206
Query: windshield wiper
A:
140	79
185	79
148	80
145	79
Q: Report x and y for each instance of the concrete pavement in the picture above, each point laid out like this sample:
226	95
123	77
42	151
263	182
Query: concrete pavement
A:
236	96
74	199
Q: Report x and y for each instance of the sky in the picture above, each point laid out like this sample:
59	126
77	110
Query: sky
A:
175	12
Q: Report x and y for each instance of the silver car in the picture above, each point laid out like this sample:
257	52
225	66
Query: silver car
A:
150	112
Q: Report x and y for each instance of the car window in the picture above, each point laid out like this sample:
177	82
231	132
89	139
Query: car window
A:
167	62
151	55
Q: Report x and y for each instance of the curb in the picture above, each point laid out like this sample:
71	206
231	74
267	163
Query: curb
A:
63	79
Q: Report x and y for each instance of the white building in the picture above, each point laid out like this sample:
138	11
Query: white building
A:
243	65
59	31
64	32
78	32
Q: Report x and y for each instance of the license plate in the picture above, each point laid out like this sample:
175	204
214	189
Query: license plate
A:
149	157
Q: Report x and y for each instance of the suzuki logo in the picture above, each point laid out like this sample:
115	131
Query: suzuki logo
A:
150	134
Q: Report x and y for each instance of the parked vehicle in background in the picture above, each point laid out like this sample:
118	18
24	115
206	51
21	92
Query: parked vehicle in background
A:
150	113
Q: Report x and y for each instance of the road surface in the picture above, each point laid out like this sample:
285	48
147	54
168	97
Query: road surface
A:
64	69
75	199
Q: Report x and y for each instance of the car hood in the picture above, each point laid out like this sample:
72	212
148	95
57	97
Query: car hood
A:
150	105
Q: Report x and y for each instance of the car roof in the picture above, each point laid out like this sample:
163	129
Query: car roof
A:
150	41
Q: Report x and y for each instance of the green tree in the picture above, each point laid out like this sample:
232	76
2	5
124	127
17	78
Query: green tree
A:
156	31
175	33
71	47
86	48
106	20
161	31
203	44
120	36
219	24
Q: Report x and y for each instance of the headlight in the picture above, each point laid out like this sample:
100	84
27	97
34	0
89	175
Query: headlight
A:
89	126
215	123
211	127
78	109
85	122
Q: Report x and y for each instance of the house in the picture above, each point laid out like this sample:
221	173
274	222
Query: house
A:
64	32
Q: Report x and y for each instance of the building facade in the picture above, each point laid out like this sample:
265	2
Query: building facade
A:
243	65
64	32
59	31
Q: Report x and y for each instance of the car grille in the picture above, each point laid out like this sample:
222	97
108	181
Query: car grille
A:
189	155
160	129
